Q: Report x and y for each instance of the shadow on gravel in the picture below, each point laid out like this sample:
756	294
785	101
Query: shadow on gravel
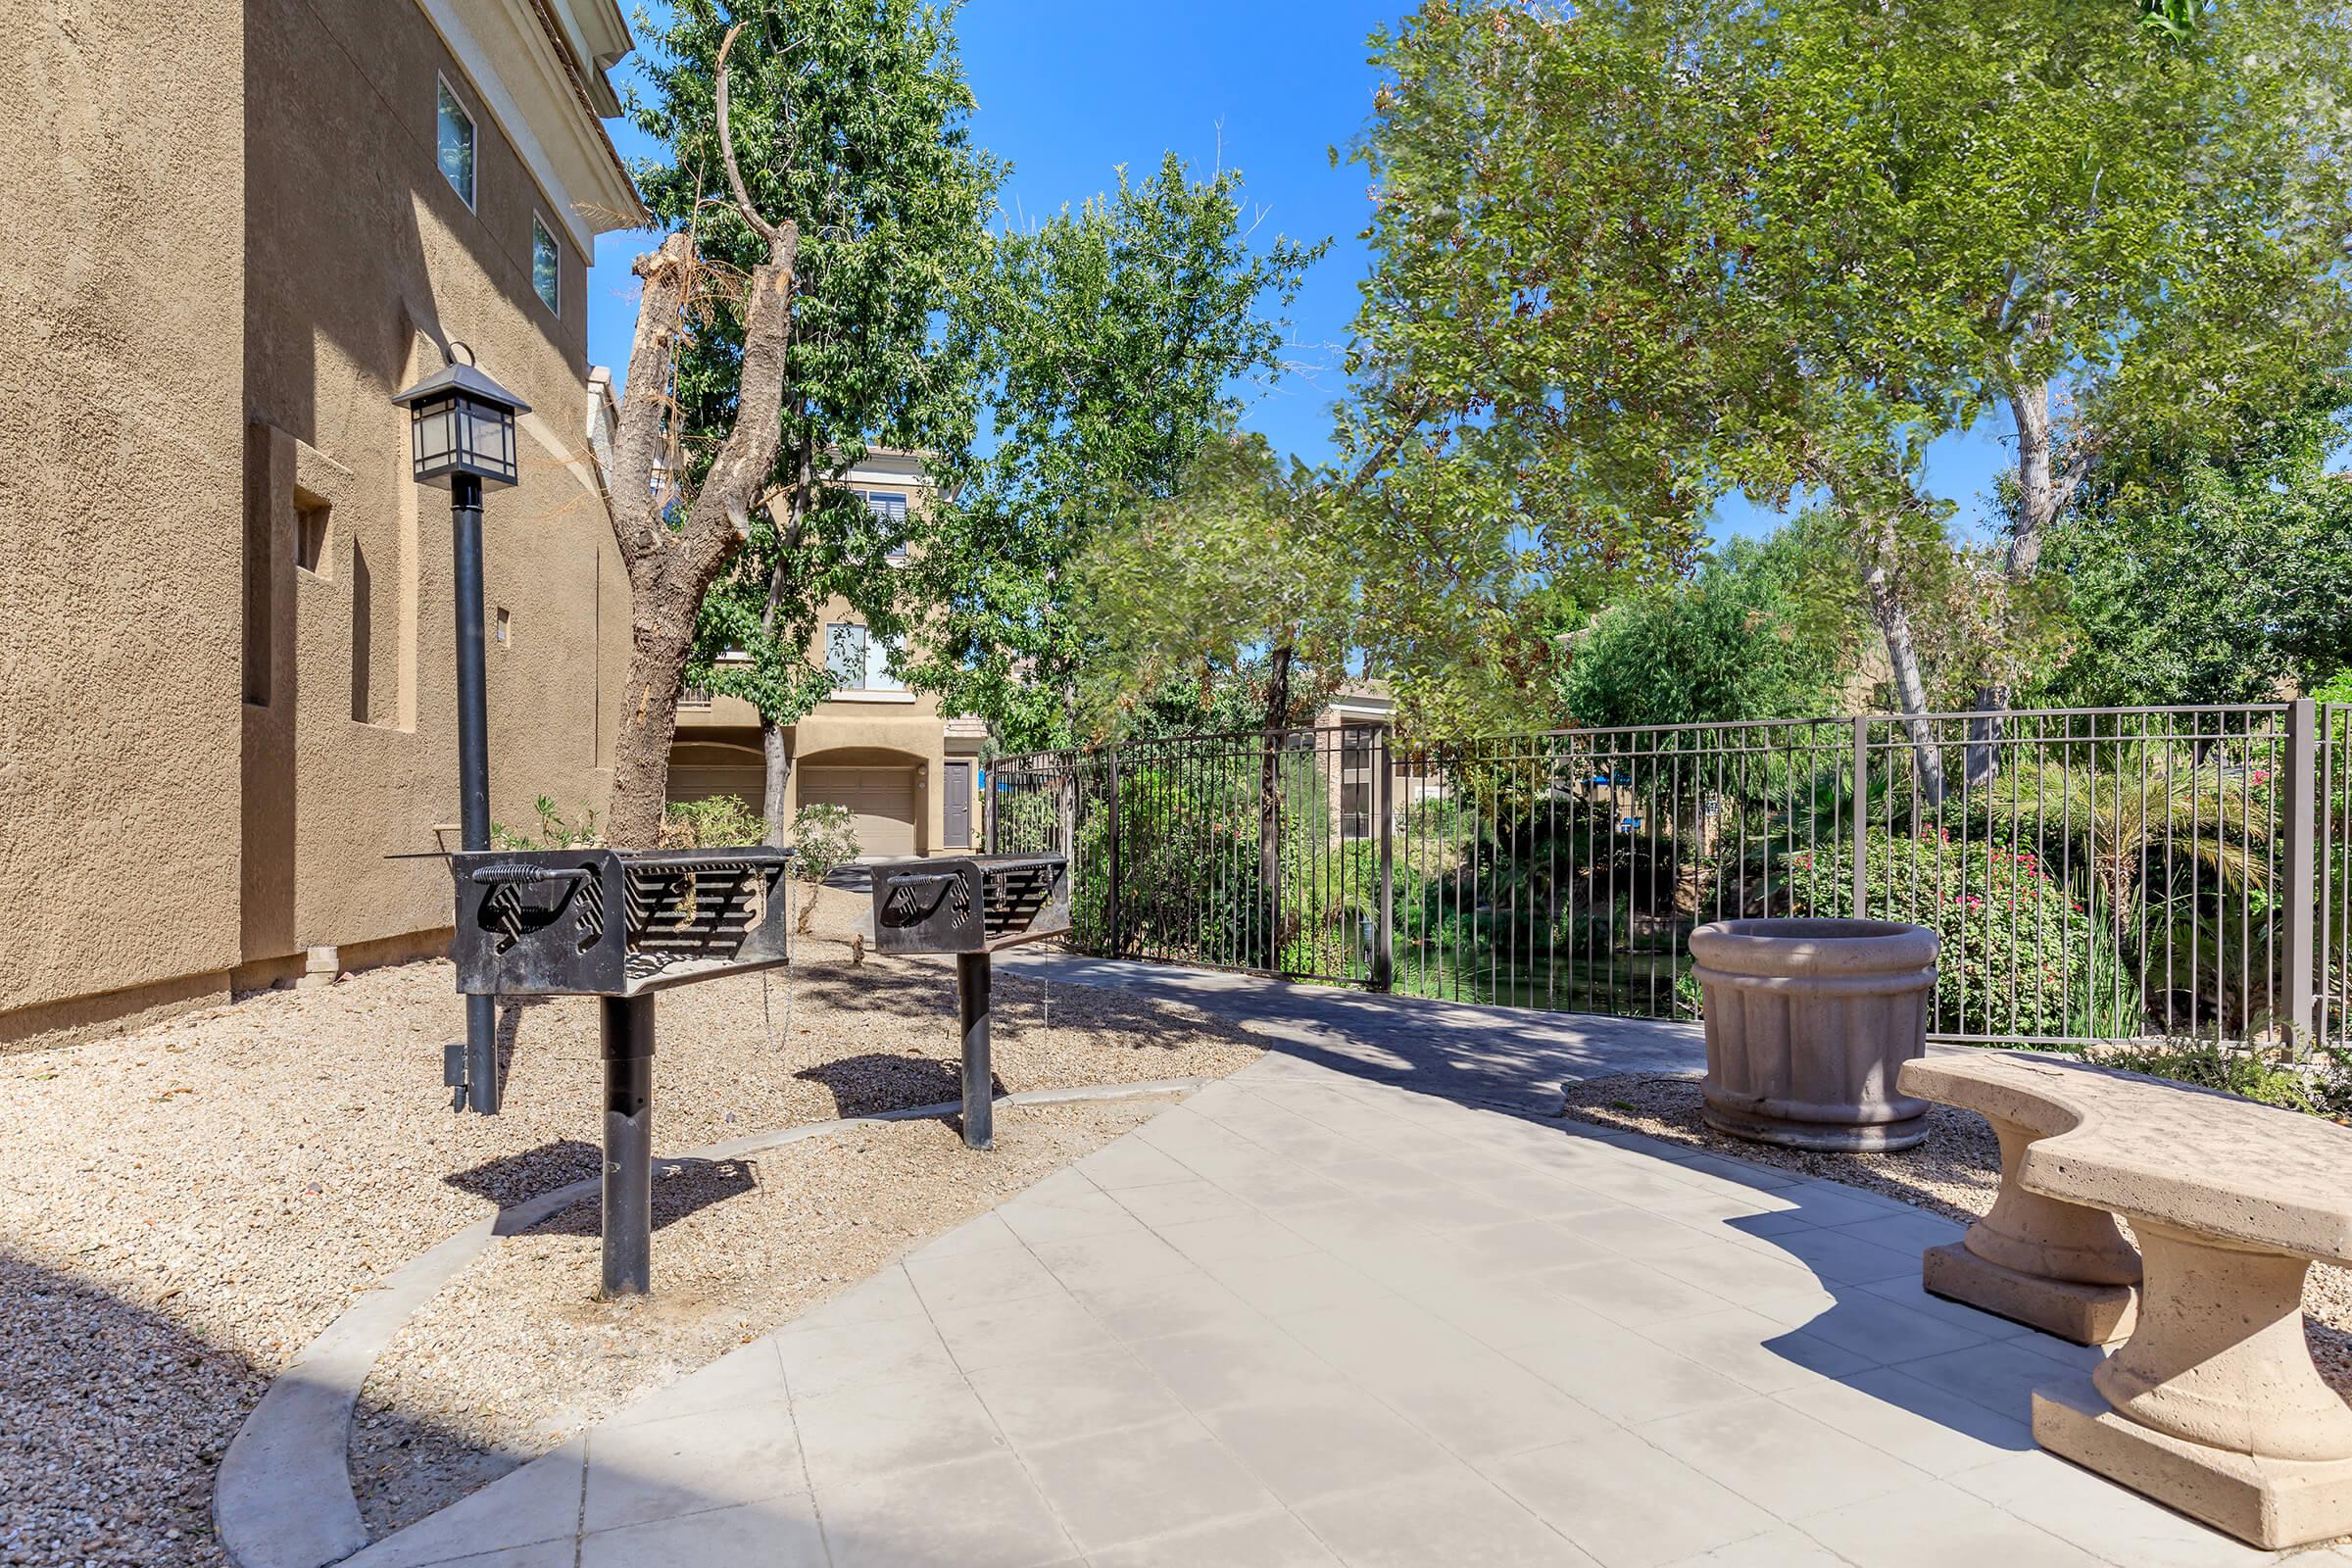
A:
115	1418
681	1187
878	1081
512	1178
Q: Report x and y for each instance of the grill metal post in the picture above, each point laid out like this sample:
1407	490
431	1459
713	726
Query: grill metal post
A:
474	760
628	1195
2302	897
972	978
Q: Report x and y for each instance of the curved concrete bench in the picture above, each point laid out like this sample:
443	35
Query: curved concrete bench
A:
2213	1405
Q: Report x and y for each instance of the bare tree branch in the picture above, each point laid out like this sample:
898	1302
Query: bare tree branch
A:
726	147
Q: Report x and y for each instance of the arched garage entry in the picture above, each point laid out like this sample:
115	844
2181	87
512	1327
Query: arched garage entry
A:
882	790
702	771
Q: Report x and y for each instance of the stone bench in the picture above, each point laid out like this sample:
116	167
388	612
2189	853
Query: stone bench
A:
2212	1404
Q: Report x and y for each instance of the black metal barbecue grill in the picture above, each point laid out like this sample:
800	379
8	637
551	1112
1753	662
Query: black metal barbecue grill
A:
971	905
619	924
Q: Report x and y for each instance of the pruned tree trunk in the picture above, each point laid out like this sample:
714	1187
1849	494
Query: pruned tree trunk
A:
778	782
675	547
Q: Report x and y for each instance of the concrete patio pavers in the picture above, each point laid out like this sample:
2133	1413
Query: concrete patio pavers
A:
1189	1376
1494	1339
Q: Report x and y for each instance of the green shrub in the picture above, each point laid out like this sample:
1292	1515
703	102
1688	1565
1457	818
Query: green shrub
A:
552	833
2322	1087
722	822
2019	954
824	839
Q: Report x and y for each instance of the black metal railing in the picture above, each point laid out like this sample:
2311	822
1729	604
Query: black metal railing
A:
2094	874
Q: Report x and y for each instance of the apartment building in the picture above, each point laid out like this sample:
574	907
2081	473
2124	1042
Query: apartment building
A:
226	672
908	775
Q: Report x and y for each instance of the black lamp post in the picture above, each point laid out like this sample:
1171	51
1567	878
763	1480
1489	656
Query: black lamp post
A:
461	437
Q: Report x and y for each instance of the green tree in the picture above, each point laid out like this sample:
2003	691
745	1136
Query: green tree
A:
1240	570
1115	342
2209	576
1810	239
1743	638
853	116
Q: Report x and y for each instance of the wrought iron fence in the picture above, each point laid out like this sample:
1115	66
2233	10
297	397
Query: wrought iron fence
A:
2093	874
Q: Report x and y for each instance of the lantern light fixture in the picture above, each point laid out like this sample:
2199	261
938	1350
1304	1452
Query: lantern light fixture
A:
462	424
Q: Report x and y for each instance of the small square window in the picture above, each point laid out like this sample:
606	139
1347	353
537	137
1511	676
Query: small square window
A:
311	524
546	275
454	143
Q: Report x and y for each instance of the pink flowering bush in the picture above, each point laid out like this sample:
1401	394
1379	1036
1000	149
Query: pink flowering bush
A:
2019	954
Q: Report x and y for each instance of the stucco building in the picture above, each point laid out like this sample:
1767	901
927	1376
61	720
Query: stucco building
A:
227	684
908	775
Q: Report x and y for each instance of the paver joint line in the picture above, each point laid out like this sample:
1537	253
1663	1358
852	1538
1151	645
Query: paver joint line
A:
1322	1385
283	1496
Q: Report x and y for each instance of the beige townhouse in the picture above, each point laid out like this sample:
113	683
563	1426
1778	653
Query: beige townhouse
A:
908	775
227	684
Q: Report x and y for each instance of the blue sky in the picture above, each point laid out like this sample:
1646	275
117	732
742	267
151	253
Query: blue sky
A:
1070	89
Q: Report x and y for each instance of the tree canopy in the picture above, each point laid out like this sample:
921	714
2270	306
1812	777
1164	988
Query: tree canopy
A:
852	117
2208	576
1114	341
1243	570
1745	638
1637	255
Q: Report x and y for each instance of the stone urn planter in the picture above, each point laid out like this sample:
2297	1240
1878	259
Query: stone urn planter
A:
1808	1022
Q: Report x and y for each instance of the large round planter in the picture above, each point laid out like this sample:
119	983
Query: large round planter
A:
1808	1022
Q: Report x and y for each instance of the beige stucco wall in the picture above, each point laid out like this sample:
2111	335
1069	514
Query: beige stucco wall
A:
361	259
235	245
122	295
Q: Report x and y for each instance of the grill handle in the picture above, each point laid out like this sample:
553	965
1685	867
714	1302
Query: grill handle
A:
514	874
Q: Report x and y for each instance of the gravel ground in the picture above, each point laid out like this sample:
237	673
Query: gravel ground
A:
189	1204
516	1353
1955	1173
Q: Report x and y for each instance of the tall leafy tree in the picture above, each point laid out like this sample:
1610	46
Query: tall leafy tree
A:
853	116
1805	240
1241	570
2208	575
1115	342
1745	637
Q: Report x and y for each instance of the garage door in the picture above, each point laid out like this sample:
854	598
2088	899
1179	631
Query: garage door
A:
880	798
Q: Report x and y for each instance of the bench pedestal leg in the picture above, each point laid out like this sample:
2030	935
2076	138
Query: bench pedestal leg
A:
2061	1267
2214	1406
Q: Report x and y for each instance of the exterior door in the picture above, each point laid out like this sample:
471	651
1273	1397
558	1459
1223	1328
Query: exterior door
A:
956	804
880	802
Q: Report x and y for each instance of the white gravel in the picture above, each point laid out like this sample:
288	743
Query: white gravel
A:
188	1206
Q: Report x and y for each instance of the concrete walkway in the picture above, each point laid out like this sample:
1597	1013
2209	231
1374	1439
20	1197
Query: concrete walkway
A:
1326	1312
1507	1058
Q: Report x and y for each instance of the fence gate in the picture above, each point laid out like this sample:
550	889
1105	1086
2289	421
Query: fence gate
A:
2094	874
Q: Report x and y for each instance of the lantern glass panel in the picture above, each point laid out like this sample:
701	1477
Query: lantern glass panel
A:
436	435
487	440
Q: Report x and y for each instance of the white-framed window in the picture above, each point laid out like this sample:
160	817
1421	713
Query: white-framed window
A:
858	661
886	505
453	139
547	270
